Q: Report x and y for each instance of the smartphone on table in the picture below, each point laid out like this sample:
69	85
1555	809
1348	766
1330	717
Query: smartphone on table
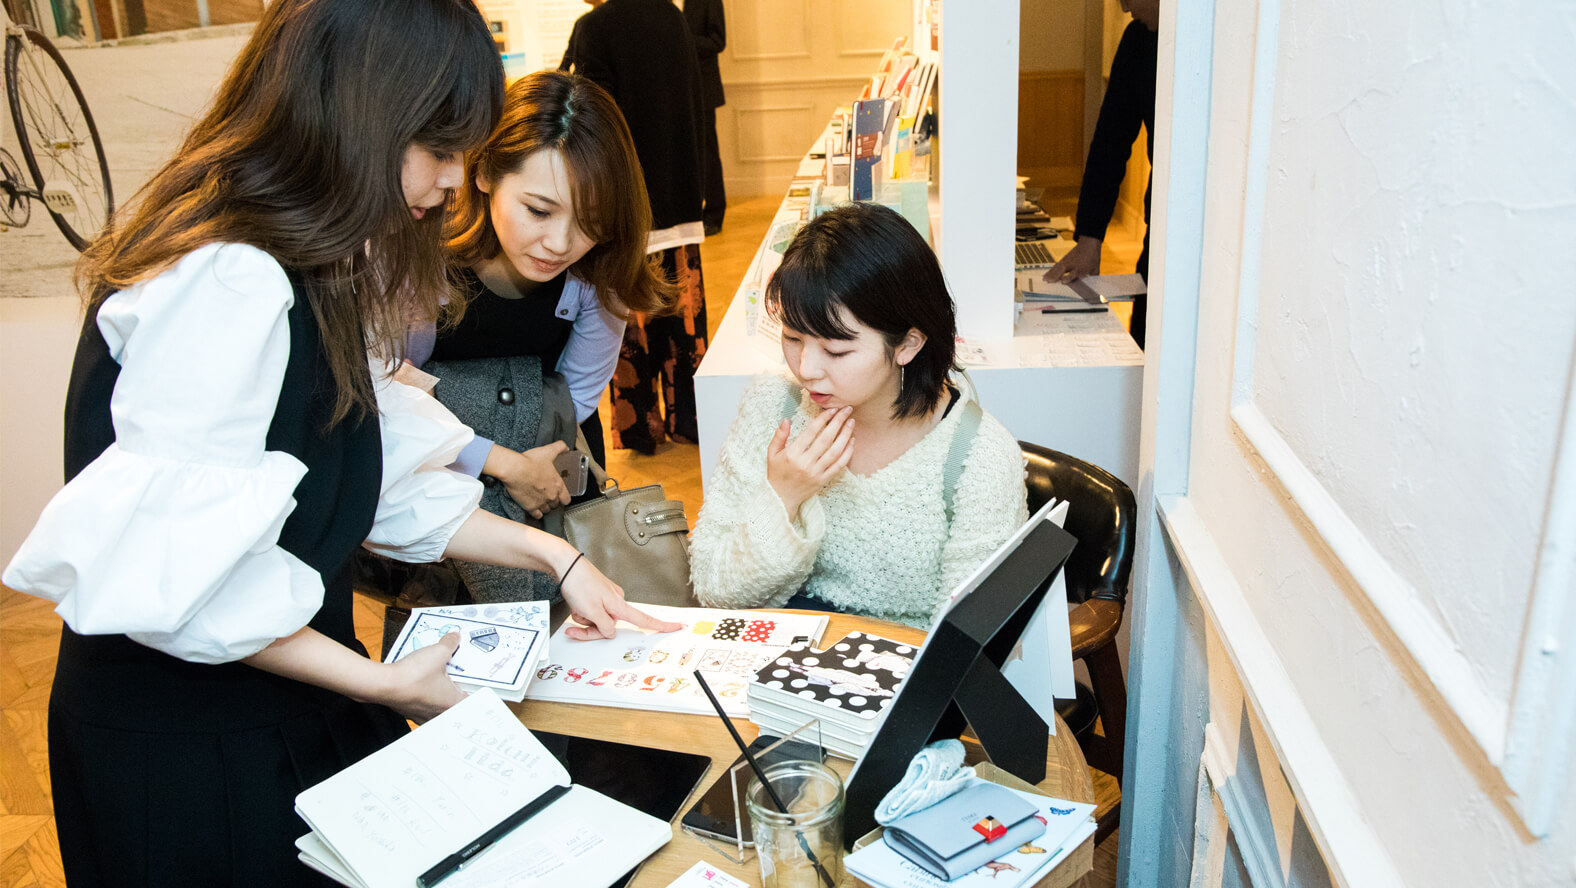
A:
573	467
714	815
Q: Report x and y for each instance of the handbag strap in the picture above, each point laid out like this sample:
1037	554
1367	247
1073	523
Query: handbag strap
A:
604	484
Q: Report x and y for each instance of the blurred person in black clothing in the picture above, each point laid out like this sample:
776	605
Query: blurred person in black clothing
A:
1129	103
710	31
642	53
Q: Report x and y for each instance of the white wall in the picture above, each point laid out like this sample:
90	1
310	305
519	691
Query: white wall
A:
1376	510
788	65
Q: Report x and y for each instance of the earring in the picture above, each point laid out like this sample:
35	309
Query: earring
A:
901	381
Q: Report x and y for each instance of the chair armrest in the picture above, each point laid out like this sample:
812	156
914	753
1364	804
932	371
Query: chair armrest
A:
1093	625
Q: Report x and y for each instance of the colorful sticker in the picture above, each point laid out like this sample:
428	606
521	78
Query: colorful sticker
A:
549	672
744	663
712	660
759	631
703	627
634	654
485	639
729	629
625	679
575	674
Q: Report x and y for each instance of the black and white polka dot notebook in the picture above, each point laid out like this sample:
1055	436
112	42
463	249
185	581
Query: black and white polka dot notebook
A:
858	676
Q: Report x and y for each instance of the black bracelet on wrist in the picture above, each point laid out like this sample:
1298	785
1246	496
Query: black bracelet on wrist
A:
565	575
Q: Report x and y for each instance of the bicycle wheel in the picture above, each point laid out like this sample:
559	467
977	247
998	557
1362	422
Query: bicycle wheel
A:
60	144
15	206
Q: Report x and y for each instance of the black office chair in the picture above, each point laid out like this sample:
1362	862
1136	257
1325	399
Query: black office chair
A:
1101	514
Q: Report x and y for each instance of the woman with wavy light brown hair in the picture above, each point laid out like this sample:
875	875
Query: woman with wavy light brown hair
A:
228	450
549	237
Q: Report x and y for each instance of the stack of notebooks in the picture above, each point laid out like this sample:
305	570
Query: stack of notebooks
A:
501	645
847	687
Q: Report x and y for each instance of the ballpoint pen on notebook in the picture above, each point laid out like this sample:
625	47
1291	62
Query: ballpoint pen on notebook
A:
462	858
760	775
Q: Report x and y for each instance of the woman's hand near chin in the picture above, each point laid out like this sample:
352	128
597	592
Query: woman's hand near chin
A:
799	469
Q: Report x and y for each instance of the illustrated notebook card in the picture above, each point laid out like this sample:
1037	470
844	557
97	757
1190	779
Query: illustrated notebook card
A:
641	669
500	644
390	817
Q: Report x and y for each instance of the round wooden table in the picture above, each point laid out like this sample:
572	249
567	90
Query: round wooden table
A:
1066	773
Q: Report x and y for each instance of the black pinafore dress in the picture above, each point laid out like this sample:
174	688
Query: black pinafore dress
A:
166	772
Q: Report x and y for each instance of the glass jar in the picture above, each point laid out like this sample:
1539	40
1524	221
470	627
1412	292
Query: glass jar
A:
802	848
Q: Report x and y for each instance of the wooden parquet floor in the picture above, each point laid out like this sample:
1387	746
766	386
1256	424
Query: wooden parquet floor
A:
30	631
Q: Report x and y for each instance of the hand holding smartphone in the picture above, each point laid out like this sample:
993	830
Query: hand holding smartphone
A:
574	468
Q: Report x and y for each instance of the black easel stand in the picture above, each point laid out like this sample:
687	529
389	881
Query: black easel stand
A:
957	680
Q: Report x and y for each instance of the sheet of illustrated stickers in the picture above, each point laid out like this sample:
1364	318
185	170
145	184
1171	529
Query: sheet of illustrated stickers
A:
640	669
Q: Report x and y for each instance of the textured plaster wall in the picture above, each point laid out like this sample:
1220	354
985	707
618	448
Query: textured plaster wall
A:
1414	341
1416	318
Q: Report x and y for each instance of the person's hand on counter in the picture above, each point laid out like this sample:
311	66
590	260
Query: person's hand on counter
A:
1082	261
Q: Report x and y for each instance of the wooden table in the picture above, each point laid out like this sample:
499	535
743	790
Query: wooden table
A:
1066	774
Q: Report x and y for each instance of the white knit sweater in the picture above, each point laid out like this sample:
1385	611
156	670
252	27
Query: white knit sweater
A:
876	545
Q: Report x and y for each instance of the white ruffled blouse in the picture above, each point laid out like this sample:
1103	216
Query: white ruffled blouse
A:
171	535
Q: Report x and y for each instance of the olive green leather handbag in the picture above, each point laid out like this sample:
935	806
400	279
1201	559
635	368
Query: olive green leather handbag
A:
639	538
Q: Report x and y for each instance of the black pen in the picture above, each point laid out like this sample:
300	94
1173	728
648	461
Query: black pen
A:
457	861
760	774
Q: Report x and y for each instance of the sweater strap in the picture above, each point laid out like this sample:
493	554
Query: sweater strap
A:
962	437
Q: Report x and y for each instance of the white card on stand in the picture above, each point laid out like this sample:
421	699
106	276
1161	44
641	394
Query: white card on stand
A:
1041	666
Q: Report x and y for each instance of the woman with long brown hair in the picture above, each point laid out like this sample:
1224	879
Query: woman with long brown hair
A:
549	236
227	450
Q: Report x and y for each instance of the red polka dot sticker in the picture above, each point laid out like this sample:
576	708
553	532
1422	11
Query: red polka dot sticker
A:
759	631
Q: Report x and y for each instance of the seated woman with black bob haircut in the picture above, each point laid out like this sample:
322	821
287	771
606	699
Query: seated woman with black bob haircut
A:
805	511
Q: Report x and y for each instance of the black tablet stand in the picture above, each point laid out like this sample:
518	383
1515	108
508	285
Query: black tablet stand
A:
957	679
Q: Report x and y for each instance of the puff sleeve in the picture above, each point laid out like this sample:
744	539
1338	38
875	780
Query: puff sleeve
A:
171	535
421	502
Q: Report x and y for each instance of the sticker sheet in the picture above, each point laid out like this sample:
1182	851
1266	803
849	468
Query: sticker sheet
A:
500	644
639	669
